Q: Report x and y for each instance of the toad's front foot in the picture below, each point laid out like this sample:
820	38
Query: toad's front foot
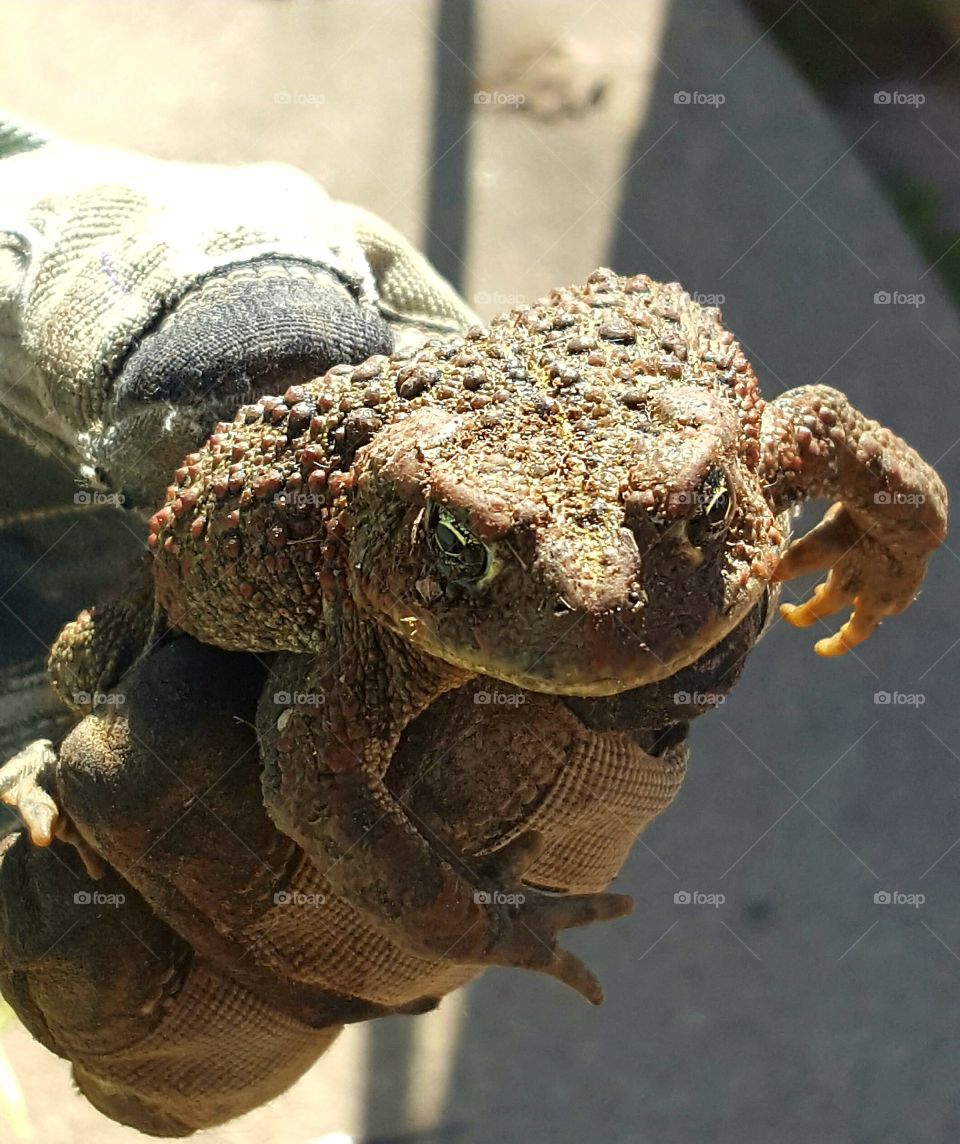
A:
875	579
27	783
525	922
889	512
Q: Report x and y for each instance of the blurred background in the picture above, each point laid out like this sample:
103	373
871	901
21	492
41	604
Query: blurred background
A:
798	161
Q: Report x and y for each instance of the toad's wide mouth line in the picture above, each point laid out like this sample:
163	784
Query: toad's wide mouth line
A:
639	667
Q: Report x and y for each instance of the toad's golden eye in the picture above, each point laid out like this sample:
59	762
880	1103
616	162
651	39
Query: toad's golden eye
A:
462	556
715	503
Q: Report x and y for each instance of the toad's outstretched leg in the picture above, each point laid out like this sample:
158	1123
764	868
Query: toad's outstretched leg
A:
889	516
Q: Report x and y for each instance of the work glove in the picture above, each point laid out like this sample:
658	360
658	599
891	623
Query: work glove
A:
143	300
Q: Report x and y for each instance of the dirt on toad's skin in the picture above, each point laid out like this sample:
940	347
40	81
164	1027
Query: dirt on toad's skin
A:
562	444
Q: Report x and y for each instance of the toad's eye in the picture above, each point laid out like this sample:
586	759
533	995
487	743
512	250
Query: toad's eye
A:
715	503
464	558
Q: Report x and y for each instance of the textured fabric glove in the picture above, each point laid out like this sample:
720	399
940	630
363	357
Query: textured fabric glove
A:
143	300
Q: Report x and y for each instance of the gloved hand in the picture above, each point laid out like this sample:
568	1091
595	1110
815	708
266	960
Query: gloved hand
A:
141	300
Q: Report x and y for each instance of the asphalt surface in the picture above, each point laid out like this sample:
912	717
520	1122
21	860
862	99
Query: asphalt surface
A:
668	138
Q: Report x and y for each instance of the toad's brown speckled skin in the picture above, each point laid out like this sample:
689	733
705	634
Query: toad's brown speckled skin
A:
578	438
607	456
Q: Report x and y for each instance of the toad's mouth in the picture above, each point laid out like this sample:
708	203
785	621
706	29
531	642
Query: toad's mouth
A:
591	657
